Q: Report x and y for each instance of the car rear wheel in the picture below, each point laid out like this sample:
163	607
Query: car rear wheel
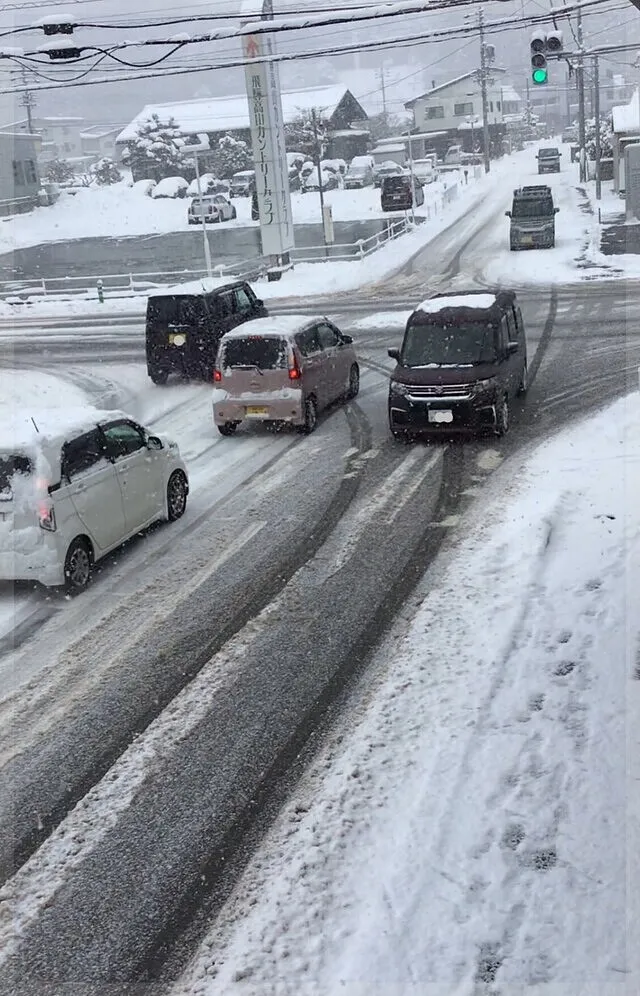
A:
159	377
354	383
234	213
502	417
228	428
310	416
78	566
177	491
522	386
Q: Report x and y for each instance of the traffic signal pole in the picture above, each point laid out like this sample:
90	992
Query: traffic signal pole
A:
596	96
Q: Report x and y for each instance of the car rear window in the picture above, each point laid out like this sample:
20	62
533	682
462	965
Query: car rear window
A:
549	152
12	465
264	352
532	207
393	184
176	310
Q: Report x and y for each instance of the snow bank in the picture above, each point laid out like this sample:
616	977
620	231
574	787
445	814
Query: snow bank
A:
467	823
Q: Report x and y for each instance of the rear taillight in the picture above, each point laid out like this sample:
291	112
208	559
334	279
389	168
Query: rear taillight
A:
217	376
294	368
46	516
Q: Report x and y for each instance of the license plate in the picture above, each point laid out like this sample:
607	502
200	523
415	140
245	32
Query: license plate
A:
256	412
177	338
527	240
441	416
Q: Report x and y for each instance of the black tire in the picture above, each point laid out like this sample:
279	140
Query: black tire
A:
523	386
502	417
400	435
310	416
228	428
78	566
177	491
159	377
234	213
354	383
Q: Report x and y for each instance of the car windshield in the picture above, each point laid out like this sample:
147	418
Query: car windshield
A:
263	352
12	464
551	153
532	208
433	344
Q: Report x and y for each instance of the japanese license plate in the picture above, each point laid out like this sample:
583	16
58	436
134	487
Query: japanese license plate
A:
256	412
441	416
527	240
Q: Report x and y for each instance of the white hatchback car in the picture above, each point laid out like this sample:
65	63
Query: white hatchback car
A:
75	485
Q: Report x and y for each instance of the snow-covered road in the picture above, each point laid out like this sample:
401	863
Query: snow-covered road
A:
469	826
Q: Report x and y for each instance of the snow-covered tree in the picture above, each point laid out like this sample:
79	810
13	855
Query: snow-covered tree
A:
231	156
155	152
300	137
106	172
606	138
59	171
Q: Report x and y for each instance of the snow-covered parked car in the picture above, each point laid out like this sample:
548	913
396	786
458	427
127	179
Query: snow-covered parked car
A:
330	180
76	487
170	187
215	207
145	187
209	184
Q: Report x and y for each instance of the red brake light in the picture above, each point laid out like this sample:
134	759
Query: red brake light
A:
46	516
294	368
217	376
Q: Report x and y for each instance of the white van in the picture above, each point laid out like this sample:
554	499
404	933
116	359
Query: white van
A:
453	155
76	484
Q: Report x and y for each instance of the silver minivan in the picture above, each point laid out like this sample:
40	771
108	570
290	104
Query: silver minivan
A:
282	370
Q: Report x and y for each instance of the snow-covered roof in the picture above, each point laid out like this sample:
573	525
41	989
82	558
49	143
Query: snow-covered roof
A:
434	304
53	426
98	132
276	325
231	113
60	118
626	117
445	86
509	94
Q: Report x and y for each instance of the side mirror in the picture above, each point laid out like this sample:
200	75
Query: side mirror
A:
508	214
259	304
347	340
555	210
154	443
394	354
512	347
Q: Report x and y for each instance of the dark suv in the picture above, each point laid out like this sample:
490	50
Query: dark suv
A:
463	358
401	193
533	218
184	328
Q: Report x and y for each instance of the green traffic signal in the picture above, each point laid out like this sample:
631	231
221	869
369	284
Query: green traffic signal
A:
540	76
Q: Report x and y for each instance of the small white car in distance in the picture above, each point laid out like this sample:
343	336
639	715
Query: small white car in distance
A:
75	485
215	207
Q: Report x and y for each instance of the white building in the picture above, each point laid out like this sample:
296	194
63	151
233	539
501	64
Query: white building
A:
457	105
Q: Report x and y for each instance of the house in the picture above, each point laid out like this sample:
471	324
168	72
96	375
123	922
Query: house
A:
348	133
626	131
452	112
59	136
19	174
99	141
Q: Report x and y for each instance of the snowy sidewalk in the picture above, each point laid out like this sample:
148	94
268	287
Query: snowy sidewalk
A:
470	828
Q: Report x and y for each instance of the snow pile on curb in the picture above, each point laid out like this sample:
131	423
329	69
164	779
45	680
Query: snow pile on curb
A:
466	831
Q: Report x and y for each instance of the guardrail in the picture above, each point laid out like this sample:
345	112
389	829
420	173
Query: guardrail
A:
134	284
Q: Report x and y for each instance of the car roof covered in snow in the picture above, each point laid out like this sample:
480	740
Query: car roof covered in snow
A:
490	304
196	287
41	428
279	325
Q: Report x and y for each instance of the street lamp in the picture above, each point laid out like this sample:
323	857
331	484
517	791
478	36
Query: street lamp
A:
195	150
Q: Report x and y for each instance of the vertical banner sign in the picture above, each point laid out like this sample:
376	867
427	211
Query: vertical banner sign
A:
267	139
632	180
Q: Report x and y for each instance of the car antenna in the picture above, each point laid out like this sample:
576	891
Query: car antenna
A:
34	424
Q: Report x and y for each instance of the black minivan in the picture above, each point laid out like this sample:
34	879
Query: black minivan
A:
183	328
401	193
463	358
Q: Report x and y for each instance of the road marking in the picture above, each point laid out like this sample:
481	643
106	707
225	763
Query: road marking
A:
409	493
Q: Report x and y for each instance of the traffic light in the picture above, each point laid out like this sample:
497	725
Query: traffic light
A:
543	44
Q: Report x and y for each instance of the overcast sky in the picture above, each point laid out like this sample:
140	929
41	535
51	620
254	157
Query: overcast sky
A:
119	102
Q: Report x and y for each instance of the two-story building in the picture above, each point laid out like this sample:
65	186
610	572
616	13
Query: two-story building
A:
99	142
452	112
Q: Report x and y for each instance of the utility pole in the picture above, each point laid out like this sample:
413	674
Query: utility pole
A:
318	148
596	94
384	93
483	88
28	100
581	112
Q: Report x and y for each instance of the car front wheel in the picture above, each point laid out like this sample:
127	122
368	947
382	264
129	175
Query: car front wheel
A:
502	417
78	566
159	377
177	491
354	383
